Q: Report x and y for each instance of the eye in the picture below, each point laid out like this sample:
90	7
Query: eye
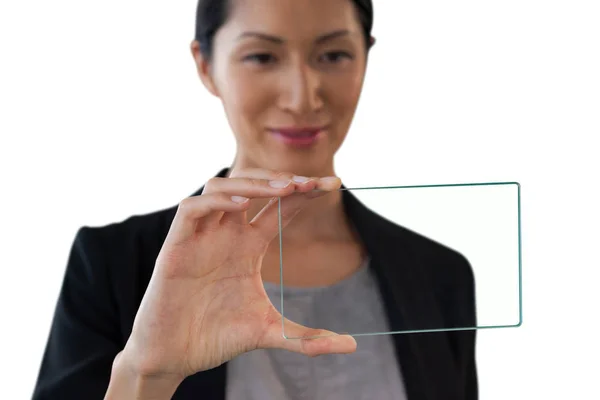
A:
335	56
260	58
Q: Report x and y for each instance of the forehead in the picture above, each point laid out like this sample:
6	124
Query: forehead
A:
292	19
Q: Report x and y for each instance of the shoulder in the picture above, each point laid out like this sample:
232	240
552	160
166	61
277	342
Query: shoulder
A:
137	234
135	224
117	259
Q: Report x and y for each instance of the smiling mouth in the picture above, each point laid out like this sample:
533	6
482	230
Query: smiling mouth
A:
298	136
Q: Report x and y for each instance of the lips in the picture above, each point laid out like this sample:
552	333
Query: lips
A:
297	132
305	136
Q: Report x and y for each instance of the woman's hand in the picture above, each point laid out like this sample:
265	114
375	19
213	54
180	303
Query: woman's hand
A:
205	302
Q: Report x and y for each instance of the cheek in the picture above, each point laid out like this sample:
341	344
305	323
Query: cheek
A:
352	94
245	99
344	92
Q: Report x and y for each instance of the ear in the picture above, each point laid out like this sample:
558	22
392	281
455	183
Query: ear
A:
371	42
204	69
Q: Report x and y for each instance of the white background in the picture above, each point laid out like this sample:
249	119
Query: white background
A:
102	116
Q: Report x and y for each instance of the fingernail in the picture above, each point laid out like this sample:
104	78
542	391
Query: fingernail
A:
300	179
238	199
279	184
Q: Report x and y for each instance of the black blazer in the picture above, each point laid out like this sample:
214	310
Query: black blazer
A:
423	284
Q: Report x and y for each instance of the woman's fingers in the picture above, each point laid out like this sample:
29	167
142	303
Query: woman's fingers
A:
267	220
241	188
249	186
193	209
261	177
302	183
228	199
324	186
304	340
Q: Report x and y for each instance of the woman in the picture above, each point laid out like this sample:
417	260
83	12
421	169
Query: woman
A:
179	303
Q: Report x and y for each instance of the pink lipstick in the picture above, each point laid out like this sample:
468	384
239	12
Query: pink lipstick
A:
301	137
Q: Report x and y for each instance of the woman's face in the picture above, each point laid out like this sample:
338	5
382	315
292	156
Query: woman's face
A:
289	74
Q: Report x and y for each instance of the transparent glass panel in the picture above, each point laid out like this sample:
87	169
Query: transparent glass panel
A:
434	258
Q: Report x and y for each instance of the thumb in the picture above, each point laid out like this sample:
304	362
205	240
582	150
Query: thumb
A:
303	340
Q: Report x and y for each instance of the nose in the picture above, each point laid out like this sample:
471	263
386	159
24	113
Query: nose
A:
301	90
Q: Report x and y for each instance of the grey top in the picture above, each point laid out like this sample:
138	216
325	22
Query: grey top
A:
353	305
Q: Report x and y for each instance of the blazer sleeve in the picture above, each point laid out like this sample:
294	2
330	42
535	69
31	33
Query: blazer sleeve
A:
84	336
464	308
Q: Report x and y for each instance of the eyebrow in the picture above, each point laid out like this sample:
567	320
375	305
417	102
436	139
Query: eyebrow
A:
280	40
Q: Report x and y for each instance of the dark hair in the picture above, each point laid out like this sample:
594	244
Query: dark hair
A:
212	14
